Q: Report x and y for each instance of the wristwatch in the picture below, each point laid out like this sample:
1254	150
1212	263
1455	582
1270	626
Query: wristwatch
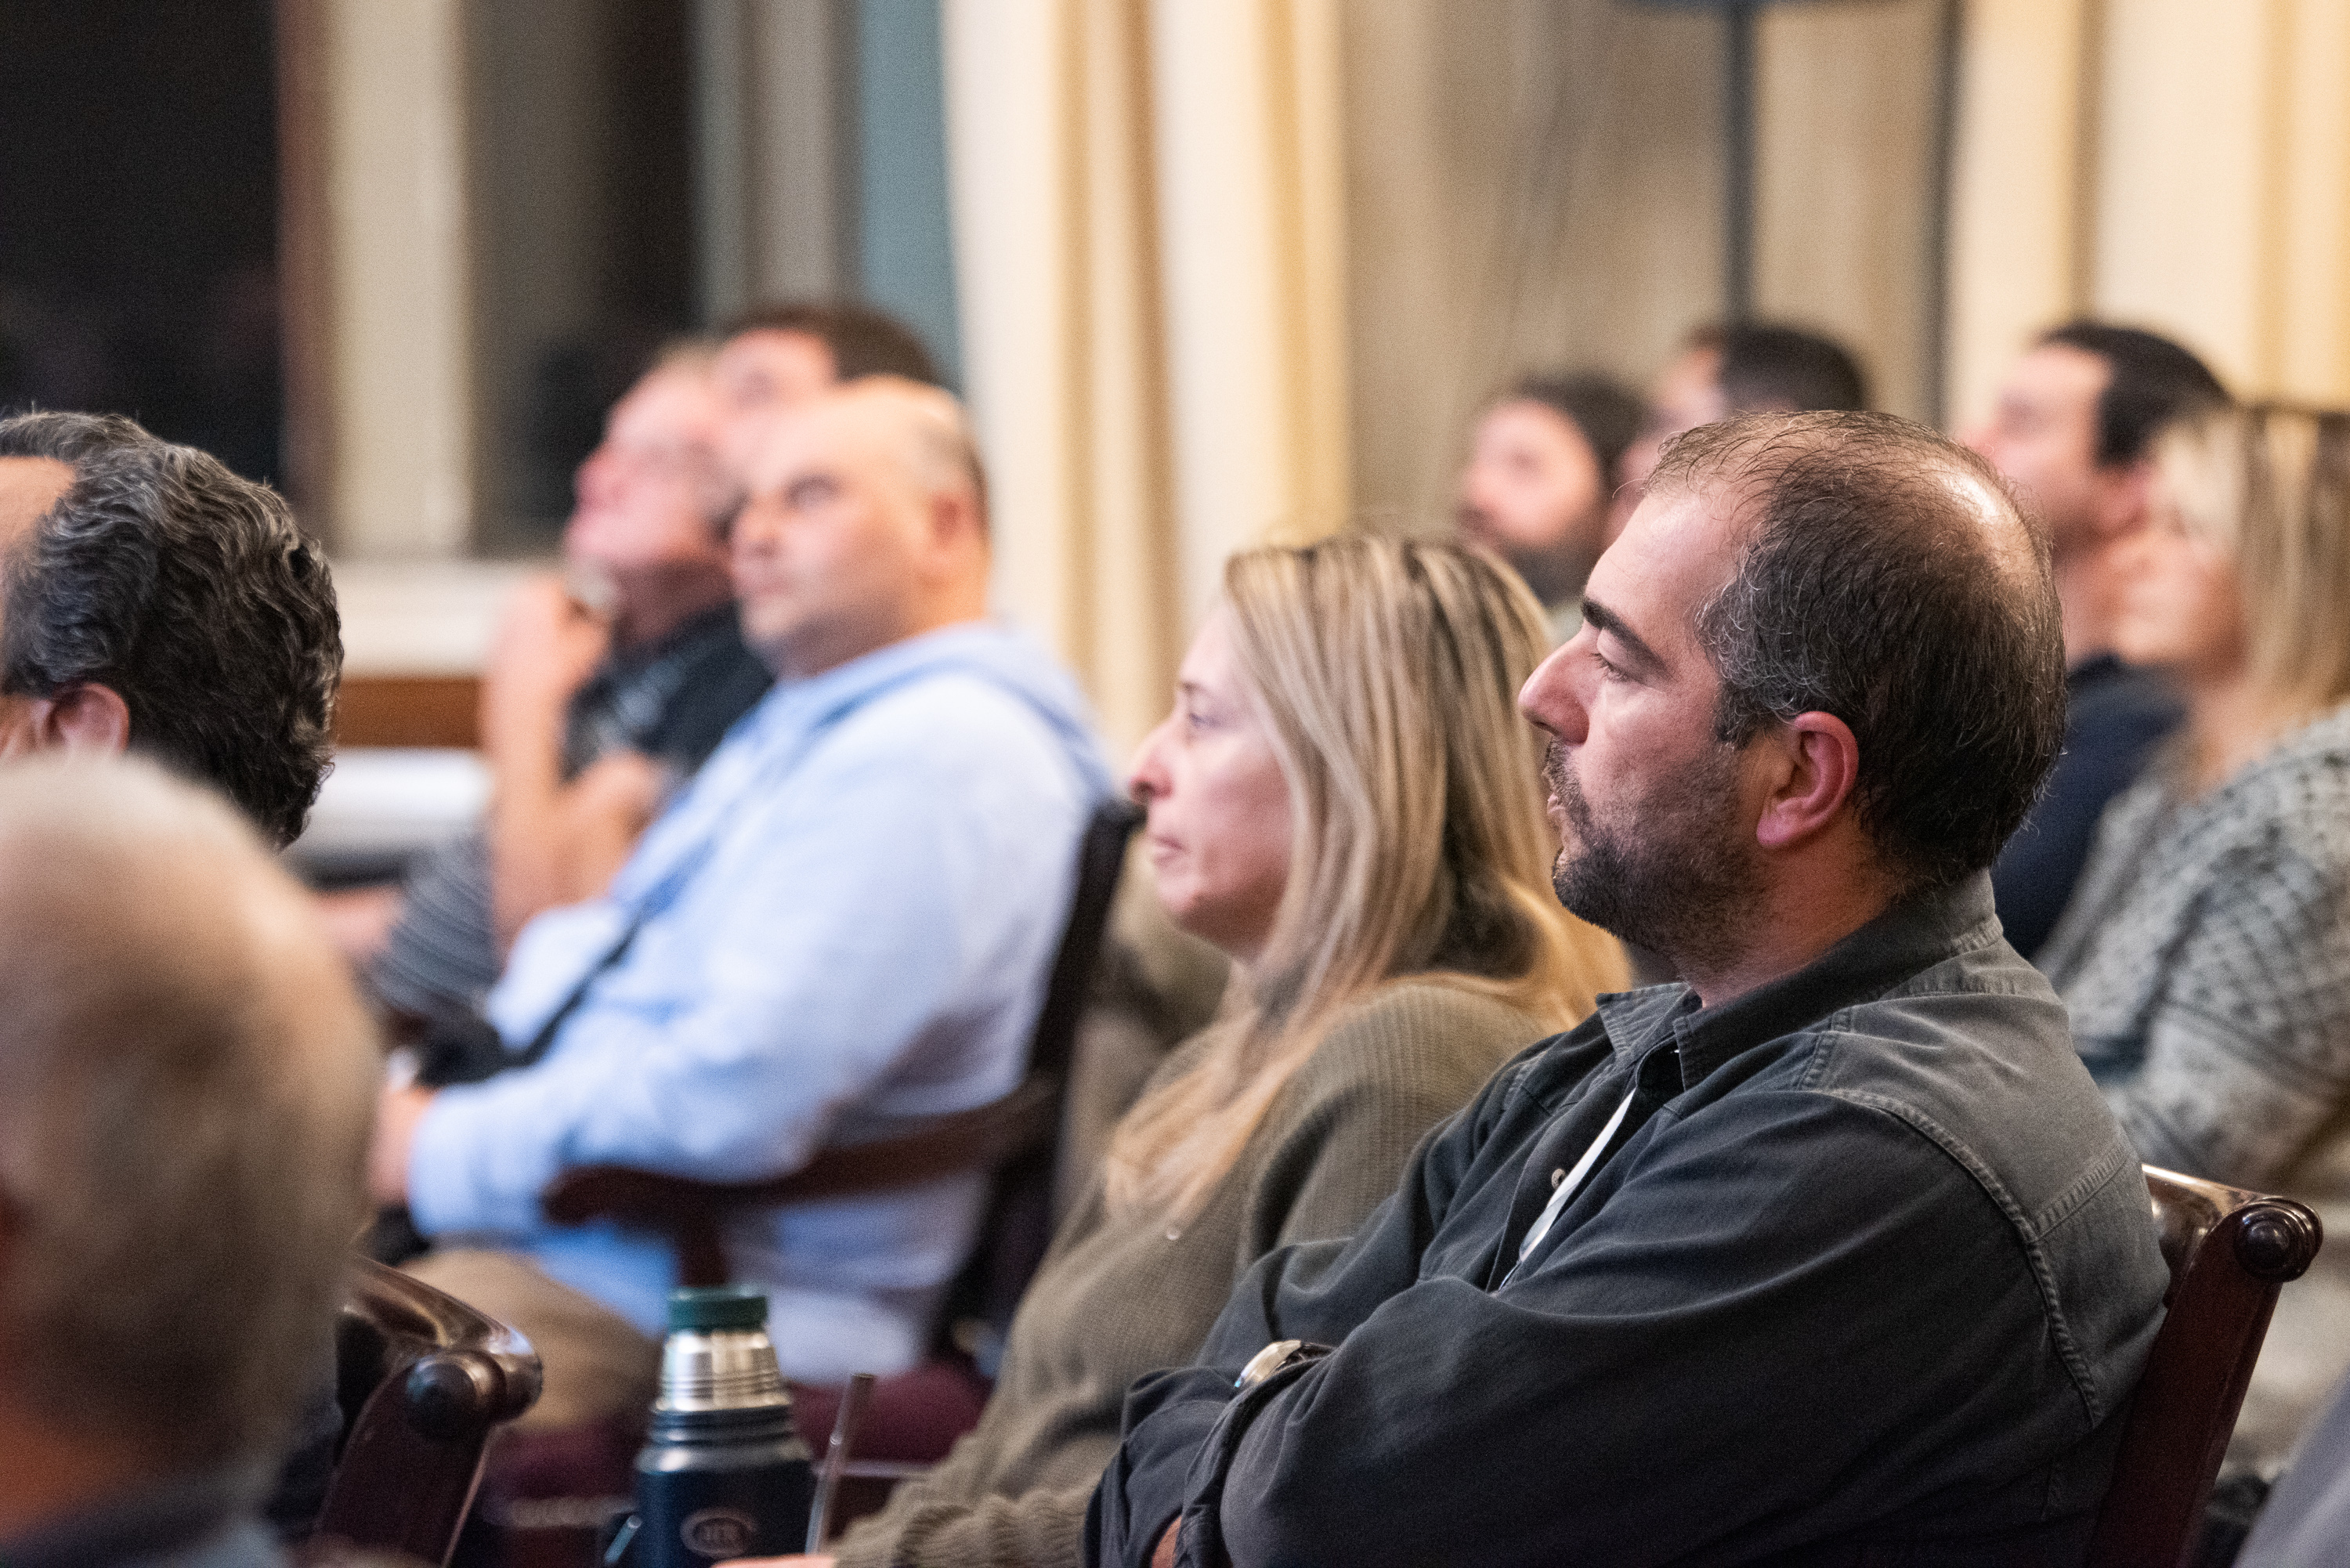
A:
1278	1357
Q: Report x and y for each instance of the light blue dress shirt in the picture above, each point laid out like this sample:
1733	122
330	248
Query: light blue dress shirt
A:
848	913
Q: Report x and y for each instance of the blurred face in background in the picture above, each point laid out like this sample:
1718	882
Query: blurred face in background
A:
1219	831
653	495
1533	494
838	541
2182	606
1689	394
763	372
2042	436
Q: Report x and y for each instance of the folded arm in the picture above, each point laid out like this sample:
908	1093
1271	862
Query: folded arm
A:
1602	1407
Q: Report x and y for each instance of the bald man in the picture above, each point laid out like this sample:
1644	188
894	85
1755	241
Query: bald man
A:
183	1131
849	913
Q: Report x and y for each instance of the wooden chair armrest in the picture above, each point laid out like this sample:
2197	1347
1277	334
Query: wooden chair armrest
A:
909	1151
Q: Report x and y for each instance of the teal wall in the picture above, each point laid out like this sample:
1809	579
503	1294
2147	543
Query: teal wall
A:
904	250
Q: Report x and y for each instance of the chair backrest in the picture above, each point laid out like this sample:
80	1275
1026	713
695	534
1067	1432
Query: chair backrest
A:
2229	1252
1016	1230
422	1379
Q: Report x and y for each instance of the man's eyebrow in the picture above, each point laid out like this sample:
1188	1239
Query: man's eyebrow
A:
1608	621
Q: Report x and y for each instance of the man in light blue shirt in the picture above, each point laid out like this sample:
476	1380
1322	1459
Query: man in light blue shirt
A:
848	914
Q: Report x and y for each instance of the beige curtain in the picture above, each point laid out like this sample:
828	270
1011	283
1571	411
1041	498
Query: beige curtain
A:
1149	248
1537	184
2173	163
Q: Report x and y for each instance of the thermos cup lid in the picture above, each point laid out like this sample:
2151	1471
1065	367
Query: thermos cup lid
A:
707	1308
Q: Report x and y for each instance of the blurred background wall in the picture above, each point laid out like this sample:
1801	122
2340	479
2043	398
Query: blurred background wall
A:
1209	271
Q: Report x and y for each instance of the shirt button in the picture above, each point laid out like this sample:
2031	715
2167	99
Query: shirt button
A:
1556	1177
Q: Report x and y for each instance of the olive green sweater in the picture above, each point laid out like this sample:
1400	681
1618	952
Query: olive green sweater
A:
1114	1301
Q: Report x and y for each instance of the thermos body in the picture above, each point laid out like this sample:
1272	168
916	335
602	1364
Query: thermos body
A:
722	1473
735	1495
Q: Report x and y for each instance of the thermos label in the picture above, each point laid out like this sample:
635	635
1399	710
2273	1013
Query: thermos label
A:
719	1531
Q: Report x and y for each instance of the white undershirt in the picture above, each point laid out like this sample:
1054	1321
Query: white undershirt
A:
1568	1183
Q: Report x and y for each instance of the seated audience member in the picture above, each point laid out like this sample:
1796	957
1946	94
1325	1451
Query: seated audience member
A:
1831	1255
151	599
848	913
776	357
182	1129
1359	826
1747	368
577	699
2073	430
2206	953
1537	492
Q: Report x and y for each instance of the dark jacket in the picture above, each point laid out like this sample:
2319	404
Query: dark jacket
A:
2115	715
1868	1279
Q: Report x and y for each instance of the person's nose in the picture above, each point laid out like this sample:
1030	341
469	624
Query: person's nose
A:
754	528
1146	778
1553	698
597	477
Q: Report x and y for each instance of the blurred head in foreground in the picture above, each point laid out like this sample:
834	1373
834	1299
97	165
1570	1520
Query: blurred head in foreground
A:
185	1085
151	599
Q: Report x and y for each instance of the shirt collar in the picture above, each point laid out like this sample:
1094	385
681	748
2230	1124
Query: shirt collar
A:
1912	935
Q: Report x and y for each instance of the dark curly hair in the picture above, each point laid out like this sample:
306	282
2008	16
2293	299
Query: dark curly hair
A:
1871	585
190	593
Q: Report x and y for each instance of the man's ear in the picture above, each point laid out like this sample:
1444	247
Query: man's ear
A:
1822	763
84	718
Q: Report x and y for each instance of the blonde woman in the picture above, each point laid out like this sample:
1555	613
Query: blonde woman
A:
2205	955
1344	801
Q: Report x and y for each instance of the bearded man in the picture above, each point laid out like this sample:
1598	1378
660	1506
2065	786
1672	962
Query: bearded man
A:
1829	1254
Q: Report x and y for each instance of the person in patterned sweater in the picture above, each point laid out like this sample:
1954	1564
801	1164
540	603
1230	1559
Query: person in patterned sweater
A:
2205	955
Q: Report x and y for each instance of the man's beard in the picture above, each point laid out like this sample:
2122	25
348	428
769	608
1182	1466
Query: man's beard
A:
1682	883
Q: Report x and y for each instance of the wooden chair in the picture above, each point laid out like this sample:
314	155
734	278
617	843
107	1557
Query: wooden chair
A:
2229	1252
422	1379
906	1151
409	710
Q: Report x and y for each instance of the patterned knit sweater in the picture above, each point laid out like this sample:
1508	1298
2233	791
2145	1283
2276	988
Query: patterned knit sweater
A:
1114	1301
2205	957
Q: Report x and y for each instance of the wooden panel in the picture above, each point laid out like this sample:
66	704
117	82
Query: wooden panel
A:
409	710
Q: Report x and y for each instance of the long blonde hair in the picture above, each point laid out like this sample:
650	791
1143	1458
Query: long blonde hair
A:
2269	485
1388	674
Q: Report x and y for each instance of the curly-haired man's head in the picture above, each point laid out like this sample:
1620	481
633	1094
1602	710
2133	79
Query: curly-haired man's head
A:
151	599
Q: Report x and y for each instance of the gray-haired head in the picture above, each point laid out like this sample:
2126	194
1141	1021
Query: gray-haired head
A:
186	1084
188	592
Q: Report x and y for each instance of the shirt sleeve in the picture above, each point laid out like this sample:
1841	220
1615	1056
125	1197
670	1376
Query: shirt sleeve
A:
846	931
2247	1047
1604	1401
